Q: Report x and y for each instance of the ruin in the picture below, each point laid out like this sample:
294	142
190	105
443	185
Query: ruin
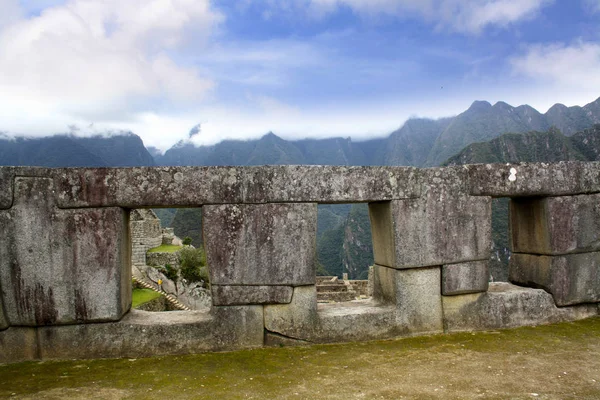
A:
65	256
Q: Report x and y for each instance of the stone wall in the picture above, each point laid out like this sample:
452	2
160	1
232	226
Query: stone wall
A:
146	233
65	261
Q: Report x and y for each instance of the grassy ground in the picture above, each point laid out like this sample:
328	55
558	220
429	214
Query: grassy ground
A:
165	248
141	296
549	362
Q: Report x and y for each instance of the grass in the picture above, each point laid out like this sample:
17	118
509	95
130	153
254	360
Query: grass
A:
559	361
165	248
141	296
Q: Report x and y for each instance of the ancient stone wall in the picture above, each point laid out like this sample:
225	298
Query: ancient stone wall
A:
146	234
65	257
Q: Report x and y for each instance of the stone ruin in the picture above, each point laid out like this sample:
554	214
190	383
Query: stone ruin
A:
146	233
65	257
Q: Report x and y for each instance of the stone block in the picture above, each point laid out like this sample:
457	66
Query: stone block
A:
151	334
534	179
246	295
445	226
555	225
261	244
62	266
6	187
416	293
18	344
507	306
329	184
148	186
462	278
571	279
296	320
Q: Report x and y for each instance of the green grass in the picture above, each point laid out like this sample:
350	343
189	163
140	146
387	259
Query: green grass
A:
165	248
548	362
141	296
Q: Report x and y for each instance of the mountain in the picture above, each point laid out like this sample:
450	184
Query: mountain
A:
550	146
122	150
419	142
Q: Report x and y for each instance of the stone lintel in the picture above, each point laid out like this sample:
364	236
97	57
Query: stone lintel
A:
534	179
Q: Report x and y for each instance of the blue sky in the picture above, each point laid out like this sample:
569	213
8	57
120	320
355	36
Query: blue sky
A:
299	68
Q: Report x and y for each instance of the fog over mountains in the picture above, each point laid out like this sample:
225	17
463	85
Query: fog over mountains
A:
483	133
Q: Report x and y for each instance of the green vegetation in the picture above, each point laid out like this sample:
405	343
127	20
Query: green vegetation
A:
170	272
193	265
188	222
547	362
141	296
165	248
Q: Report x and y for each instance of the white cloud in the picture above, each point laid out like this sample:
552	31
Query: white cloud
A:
593	5
465	16
576	66
99	60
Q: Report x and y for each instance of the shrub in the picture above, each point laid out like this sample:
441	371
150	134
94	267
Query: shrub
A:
170	272
193	265
187	241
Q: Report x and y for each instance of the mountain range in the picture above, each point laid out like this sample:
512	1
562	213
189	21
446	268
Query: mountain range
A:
483	133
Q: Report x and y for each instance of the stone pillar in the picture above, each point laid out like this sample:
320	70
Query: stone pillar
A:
257	253
62	266
556	246
444	233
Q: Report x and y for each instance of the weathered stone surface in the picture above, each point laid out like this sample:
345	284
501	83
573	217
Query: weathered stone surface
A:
534	179
444	226
159	259
145	334
304	321
6	187
62	266
329	184
507	306
3	320
261	244
276	340
469	277
416	293
555	225
571	279
245	295
18	344
148	187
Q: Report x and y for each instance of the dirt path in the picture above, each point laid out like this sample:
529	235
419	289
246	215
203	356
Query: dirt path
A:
549	362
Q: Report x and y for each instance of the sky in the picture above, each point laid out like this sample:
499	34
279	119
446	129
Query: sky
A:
298	68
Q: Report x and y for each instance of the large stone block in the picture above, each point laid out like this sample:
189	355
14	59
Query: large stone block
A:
571	279
18	344
469	277
329	184
416	293
261	244
534	179
62	266
555	225
444	226
148	187
150	334
296	320
507	306
246	295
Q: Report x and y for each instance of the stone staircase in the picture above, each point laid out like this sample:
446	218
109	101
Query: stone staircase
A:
171	299
332	289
